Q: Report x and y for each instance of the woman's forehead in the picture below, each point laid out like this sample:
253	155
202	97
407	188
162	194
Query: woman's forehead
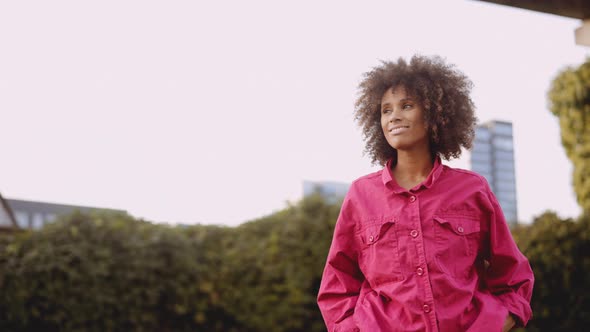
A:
400	91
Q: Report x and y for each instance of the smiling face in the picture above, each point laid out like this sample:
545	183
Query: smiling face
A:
402	121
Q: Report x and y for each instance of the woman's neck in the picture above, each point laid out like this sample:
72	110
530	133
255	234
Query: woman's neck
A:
412	168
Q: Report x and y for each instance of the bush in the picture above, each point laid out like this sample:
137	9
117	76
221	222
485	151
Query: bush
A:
107	273
274	266
558	252
116	273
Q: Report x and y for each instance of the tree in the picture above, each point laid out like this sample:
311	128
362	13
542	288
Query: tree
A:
273	267
557	250
570	102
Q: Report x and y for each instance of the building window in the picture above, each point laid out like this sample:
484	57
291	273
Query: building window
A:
503	166
502	143
505	186
22	219
507	176
481	147
481	167
503	129
481	157
506	196
490	180
489	177
50	217
482	134
504	155
37	221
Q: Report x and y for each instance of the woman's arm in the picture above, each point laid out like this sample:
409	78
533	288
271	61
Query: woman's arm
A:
509	275
342	278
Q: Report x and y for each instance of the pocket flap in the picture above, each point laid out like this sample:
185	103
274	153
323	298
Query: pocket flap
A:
371	233
459	225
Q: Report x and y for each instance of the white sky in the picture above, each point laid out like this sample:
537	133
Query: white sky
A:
216	111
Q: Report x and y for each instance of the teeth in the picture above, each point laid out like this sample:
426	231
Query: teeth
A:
394	130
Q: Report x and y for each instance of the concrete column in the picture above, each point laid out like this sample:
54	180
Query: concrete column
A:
583	33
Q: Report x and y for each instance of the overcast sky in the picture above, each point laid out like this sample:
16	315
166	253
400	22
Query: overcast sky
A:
216	111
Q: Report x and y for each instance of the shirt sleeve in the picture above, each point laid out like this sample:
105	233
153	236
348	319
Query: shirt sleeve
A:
509	276
342	278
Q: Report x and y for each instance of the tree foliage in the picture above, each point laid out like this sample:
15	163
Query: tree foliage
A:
570	102
558	252
117	273
274	267
107	273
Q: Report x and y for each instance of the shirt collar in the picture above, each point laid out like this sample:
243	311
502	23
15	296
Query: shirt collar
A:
390	182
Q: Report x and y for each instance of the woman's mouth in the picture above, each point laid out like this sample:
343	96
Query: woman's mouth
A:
398	129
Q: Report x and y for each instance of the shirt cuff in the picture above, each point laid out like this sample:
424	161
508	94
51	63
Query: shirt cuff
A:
518	307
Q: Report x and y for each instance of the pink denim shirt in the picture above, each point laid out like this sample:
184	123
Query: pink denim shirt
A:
438	257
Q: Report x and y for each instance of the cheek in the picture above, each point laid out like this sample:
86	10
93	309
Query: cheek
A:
383	121
422	127
425	128
422	123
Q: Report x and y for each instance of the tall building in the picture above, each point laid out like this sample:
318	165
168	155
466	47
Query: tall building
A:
493	157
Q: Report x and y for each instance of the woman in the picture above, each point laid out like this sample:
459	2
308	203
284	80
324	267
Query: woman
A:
420	246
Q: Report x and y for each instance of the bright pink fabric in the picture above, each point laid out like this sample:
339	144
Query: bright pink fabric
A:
414	260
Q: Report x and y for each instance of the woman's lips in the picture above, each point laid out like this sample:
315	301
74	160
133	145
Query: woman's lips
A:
398	130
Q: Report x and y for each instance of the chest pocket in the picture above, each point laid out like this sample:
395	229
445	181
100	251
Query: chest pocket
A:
379	257
457	242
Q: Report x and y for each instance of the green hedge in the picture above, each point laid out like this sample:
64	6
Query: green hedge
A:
274	265
108	273
116	273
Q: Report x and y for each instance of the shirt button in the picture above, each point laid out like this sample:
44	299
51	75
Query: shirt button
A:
371	238
426	308
460	229
412	199
420	271
414	233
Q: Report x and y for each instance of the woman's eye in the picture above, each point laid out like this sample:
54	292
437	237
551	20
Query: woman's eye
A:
407	106
385	111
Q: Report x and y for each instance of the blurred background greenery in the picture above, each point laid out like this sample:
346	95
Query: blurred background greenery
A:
117	273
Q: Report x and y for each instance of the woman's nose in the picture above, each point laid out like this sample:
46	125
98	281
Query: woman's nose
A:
395	116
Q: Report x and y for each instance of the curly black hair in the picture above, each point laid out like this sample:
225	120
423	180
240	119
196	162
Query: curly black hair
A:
442	90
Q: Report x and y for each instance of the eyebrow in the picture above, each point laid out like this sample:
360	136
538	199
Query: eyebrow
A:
403	100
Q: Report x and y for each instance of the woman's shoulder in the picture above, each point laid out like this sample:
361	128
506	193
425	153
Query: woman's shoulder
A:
366	183
465	175
368	179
